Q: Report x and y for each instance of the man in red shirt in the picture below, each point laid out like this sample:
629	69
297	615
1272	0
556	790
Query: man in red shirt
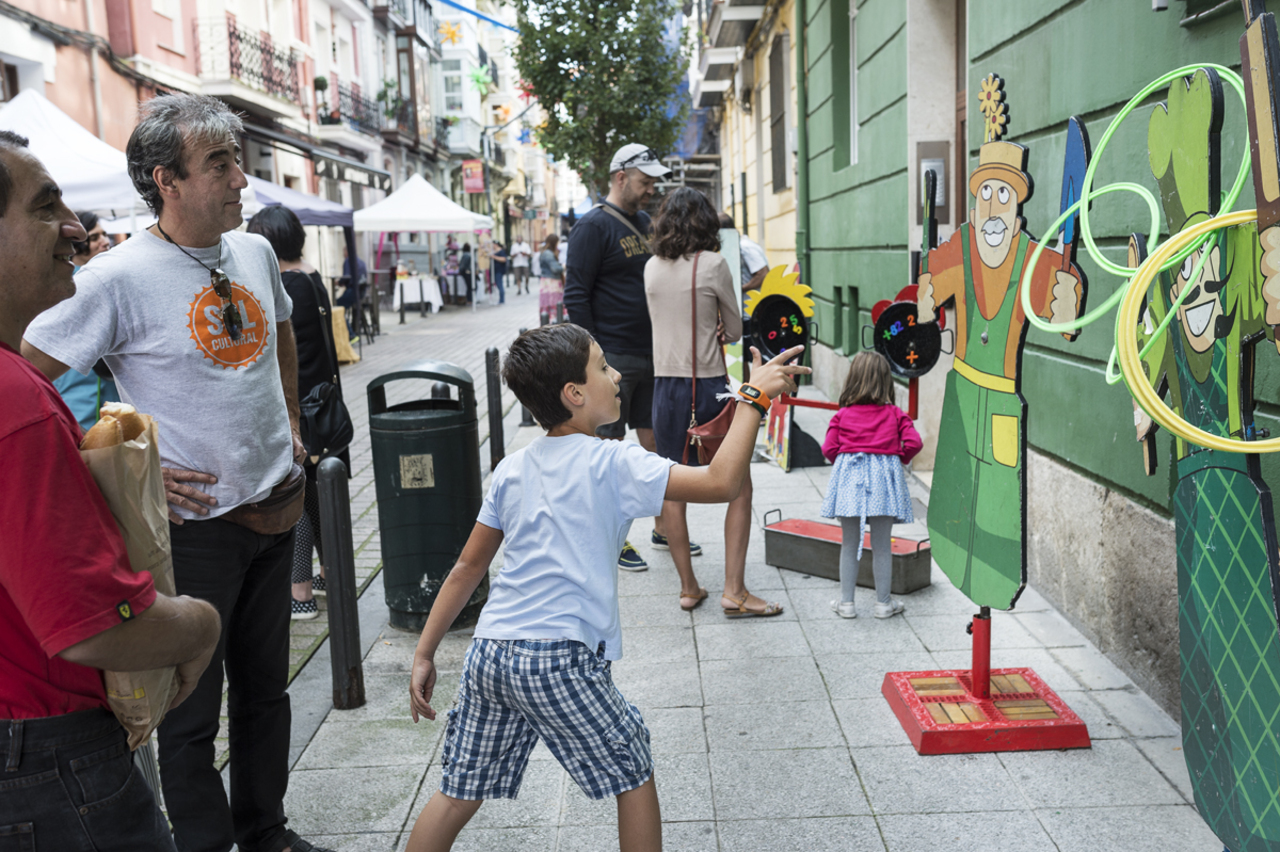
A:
70	604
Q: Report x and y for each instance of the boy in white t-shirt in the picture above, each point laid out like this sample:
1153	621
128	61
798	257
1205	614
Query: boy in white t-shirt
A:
540	663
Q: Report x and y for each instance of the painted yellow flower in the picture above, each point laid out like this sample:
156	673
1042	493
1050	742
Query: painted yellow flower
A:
450	32
994	111
996	123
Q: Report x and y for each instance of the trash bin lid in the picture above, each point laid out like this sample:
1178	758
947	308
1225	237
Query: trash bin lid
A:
422	414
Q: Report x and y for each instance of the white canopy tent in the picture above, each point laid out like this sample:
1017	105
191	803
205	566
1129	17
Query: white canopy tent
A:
92	174
419	206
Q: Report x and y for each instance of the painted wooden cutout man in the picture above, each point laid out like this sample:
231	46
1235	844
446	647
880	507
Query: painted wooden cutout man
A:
976	508
1228	576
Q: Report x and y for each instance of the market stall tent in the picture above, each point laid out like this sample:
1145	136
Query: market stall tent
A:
419	206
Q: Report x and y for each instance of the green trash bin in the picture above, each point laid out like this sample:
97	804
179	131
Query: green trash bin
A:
426	468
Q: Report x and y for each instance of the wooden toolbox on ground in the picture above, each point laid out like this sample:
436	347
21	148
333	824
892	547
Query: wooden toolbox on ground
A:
813	547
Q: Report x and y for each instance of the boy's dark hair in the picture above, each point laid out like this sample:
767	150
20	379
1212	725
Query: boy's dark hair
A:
9	141
541	362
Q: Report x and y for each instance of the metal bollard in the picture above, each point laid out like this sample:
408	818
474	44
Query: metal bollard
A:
402	302
544	318
560	313
344	618
526	419
422	298
497	445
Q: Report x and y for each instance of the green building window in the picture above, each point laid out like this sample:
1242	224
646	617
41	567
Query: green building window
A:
844	83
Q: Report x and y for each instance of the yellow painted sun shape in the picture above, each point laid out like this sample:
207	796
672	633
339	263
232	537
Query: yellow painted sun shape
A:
450	32
779	283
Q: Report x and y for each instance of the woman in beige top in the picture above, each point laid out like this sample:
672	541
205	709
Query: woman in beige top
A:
686	234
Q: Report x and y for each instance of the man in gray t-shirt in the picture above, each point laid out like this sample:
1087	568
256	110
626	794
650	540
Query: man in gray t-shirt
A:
193	321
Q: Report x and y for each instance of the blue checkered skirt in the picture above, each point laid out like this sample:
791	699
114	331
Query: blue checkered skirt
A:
864	485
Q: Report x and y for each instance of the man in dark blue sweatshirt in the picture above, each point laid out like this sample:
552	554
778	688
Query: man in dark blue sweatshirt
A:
604	293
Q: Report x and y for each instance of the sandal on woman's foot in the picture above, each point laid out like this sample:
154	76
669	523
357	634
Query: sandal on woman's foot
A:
741	610
697	600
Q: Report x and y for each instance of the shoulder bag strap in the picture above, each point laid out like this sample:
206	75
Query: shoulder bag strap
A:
326	324
693	394
624	220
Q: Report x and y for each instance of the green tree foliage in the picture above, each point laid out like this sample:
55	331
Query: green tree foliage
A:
605	76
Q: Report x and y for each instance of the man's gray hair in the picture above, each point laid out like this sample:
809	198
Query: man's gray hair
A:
166	124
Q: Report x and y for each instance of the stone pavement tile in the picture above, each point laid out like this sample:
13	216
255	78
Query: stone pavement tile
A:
1134	710
658	644
660	580
1176	828
320	801
1050	628
807	782
1111	773
391	654
379	842
777	724
676	837
522	839
797	581
785	496
653	611
684	794
1166	754
749	638
1091	668
862	675
841	834
947	632
538	803
1100	725
966	832
861	636
675	684
762	678
381	742
712	611
387	697
758	576
675	730
1032	601
1039	660
938	598
869	723
899	781
815	604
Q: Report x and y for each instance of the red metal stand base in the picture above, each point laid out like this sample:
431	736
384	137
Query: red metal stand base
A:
958	711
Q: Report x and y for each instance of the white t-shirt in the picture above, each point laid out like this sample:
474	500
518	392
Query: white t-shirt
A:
753	257
151	313
520	255
564	506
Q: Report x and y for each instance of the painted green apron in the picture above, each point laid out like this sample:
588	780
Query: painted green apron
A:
976	508
1227	623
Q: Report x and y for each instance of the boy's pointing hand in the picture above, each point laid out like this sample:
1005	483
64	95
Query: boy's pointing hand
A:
776	376
421	684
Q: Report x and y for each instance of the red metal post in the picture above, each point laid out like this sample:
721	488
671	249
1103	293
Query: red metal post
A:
981	672
913	399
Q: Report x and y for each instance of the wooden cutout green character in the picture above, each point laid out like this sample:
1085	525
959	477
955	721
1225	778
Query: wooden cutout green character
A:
1228	623
977	510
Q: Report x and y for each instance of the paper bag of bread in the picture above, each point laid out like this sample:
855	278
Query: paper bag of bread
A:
123	455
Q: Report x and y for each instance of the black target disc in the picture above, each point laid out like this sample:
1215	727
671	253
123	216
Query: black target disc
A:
777	324
912	347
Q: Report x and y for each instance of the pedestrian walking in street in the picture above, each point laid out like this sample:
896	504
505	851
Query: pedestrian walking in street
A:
551	281
604	293
869	439
499	254
193	320
539	666
70	602
317	365
521	251
465	272
693	306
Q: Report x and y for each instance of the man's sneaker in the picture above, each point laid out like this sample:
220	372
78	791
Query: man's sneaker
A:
659	542
304	610
630	560
297	844
317	586
844	609
890	609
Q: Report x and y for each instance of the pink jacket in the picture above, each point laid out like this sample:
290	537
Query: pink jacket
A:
881	429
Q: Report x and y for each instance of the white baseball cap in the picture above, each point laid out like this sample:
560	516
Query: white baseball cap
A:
637	156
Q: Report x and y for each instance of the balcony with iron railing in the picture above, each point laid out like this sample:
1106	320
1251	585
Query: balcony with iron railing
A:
354	110
244	67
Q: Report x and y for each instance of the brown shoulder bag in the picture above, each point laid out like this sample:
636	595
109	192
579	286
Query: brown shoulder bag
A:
709	436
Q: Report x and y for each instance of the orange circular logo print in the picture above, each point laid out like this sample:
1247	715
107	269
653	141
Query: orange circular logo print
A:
211	335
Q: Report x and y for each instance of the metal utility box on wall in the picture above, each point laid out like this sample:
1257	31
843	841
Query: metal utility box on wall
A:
935	156
426	468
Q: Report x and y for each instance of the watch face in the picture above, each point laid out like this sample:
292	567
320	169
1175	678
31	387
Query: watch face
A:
777	324
912	347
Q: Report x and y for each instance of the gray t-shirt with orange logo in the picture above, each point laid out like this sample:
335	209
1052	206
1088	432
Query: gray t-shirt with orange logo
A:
151	313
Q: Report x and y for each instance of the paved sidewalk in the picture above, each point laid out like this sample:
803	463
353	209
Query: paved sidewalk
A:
770	734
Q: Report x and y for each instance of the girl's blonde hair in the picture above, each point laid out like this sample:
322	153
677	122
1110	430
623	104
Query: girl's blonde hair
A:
869	381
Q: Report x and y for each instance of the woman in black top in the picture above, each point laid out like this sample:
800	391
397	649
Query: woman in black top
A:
317	362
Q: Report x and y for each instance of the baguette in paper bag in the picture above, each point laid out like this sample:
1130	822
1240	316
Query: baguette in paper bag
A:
123	456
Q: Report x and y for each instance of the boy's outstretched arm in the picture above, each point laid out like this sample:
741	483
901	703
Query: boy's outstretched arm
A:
720	481
458	587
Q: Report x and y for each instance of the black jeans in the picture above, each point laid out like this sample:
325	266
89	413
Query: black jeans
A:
69	783
246	577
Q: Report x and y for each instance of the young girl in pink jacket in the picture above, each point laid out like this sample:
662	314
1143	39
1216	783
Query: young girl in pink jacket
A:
869	440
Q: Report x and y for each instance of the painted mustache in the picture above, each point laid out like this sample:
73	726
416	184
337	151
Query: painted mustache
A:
993	231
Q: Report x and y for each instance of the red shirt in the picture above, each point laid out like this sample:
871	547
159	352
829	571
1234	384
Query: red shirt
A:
63	567
882	429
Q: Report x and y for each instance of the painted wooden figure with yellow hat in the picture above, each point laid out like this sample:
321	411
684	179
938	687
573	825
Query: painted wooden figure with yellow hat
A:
977	508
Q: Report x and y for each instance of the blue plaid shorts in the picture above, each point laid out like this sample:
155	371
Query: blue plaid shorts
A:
515	691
